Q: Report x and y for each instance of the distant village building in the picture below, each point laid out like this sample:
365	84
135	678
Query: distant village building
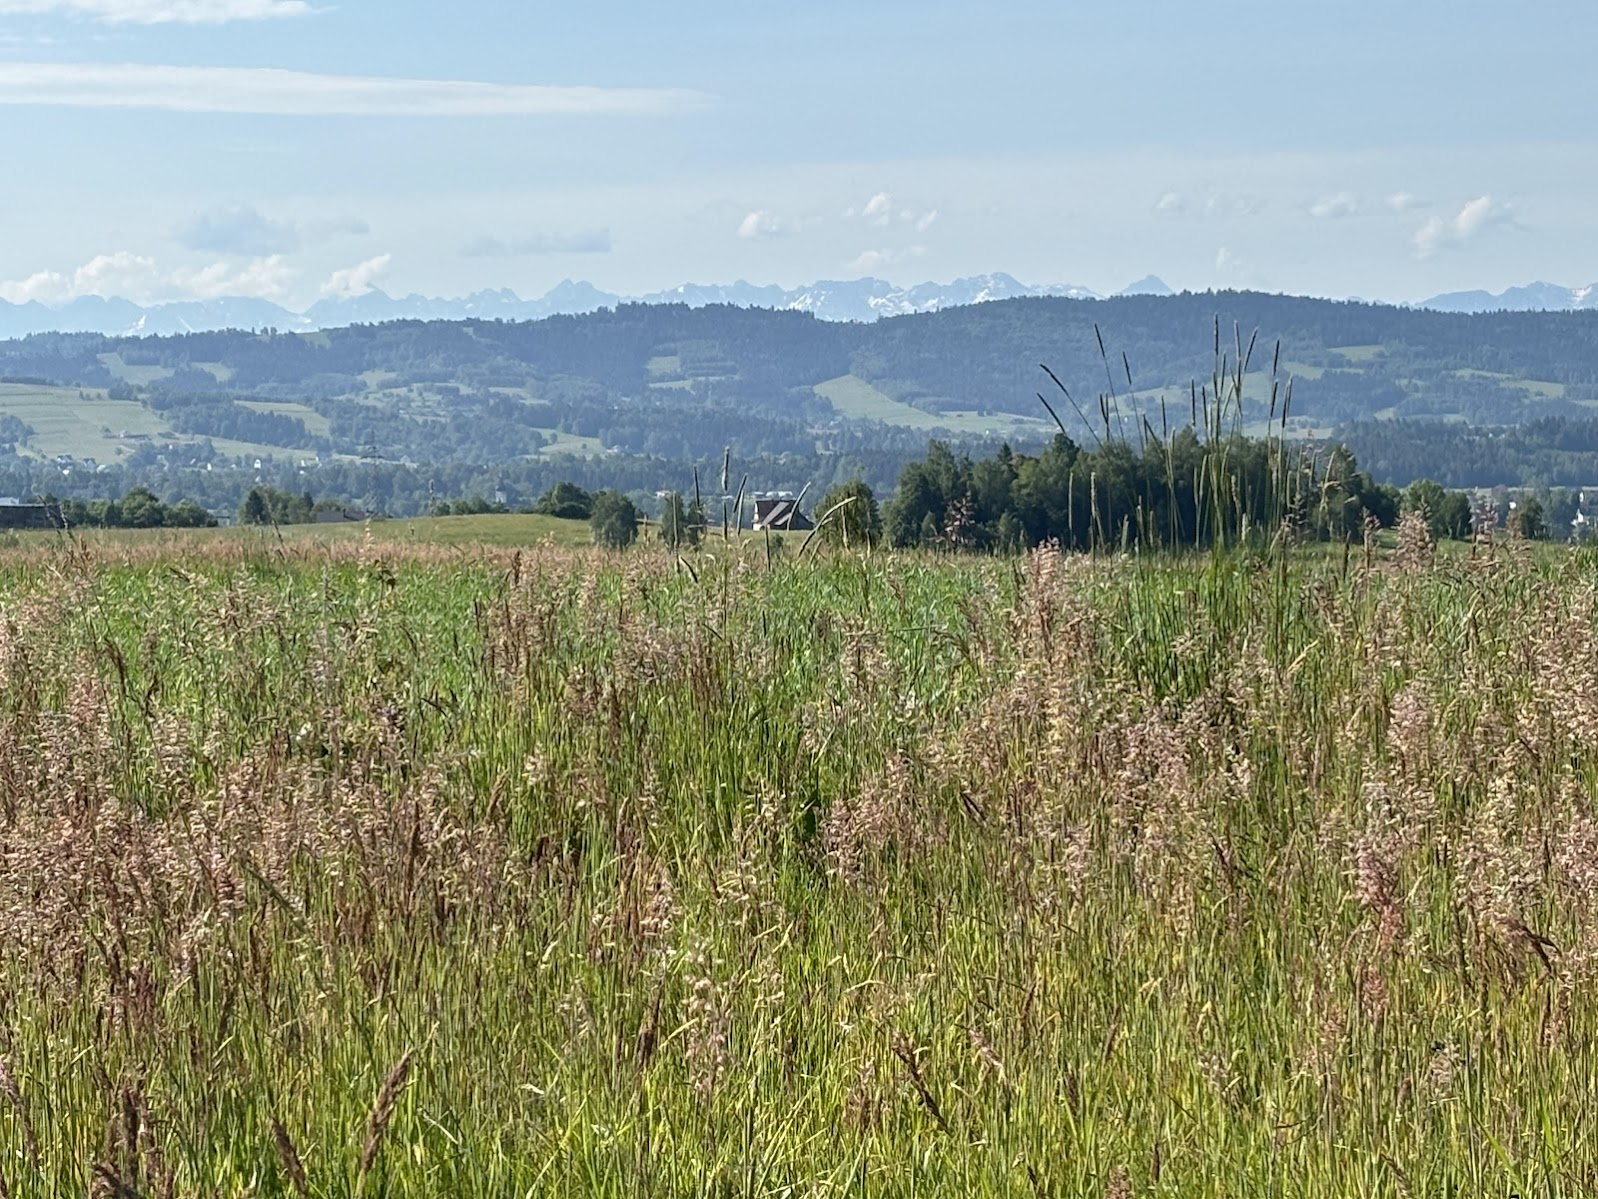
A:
780	513
342	516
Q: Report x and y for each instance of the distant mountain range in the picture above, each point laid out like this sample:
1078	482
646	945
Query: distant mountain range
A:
1534	297
832	300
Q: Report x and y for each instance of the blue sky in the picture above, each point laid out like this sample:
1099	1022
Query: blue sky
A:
165	149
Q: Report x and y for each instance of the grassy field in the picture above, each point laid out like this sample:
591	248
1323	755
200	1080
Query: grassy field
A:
84	428
365	867
566	444
487	532
315	423
137	375
88	425
1359	353
1544	390
854	398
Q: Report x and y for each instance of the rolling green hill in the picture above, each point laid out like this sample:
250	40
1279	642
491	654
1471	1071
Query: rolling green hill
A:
674	386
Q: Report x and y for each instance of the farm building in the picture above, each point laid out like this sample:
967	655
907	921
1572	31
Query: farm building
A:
14	514
342	516
780	513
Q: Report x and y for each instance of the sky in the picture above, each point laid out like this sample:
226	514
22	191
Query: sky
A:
294	149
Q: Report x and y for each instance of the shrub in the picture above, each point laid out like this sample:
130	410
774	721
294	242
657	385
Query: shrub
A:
615	520
849	516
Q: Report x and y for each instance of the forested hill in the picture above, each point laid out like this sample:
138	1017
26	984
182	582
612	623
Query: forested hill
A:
679	384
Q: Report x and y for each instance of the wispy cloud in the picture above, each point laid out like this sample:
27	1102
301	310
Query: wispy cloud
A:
1335	208
1477	217
142	279
1405	202
356	280
243	229
1214	204
238	230
326	230
265	278
876	260
1171	204
1219	204
883	211
593	241
763	225
879	209
275	92
161	12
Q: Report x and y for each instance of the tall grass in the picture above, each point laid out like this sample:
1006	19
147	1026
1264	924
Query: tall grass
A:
372	870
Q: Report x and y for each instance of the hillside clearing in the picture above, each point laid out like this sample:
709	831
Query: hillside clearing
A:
856	399
88	427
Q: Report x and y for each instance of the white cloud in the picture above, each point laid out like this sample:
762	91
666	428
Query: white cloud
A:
356	280
1335	208
882	211
873	260
1405	202
876	260
1213	204
162	12
878	209
135	277
275	92
1477	217
45	287
1171	204
1225	260
264	278
121	274
762	225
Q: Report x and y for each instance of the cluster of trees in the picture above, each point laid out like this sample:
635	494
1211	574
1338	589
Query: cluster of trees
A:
268	505
1550	452
13	430
848	516
223	417
614	519
475	505
1013	501
1181	492
567	501
139	508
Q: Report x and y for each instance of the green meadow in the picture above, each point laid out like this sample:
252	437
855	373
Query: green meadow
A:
359	864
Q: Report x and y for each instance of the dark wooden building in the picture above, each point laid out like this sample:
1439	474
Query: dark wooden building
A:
30	516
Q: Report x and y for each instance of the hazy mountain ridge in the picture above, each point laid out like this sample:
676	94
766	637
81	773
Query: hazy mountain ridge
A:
864	300
700	354
1533	297
833	300
642	393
